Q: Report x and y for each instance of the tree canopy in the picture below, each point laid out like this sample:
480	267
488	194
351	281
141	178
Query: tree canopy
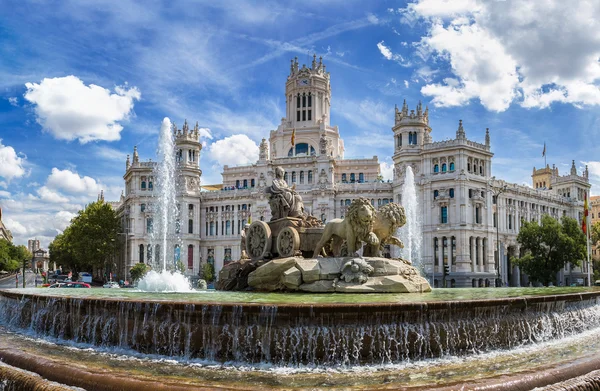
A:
138	271
12	257
90	241
550	246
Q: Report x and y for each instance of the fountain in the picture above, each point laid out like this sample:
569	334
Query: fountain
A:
164	234
401	335
411	233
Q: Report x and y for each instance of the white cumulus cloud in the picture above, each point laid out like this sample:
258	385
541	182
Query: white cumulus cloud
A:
71	110
71	182
11	164
51	196
533	53
232	150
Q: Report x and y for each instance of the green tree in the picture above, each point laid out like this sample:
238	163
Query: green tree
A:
595	233
91	240
208	272
139	271
549	247
180	267
12	258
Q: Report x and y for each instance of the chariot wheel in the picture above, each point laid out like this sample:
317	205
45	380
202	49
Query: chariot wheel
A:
258	240
288	242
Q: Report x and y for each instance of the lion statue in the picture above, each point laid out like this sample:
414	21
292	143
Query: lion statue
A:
389	218
356	228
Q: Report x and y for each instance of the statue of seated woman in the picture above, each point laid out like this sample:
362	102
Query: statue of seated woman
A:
283	199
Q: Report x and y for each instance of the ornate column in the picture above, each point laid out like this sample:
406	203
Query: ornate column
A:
480	254
473	254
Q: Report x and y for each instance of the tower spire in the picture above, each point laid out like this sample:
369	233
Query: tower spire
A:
136	157
487	137
573	168
460	133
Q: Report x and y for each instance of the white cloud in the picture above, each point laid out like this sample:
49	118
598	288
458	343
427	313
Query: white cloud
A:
534	53
15	227
4	194
62	219
387	53
70	110
232	150
71	182
406	84
51	196
387	170
372	19
11	164
13	101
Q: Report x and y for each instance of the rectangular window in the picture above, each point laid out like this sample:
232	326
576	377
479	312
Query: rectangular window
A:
206	229
444	214
149	226
190	226
477	215
142	207
435	251
303	100
309	115
509	221
298	116
190	206
303	115
309	101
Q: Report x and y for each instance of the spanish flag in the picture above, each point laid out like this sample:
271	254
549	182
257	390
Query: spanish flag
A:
585	214
293	137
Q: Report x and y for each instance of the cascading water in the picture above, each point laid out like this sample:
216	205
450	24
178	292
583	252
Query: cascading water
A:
164	236
411	234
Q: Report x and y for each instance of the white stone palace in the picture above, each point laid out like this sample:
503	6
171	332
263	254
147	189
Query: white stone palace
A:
467	214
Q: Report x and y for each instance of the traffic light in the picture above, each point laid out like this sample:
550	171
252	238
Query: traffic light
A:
446	269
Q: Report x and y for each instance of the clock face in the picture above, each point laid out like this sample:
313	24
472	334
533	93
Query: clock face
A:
303	82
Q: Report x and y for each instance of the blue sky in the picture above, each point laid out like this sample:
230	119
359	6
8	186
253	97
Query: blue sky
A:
82	82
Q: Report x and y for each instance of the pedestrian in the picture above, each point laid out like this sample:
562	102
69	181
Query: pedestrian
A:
17	279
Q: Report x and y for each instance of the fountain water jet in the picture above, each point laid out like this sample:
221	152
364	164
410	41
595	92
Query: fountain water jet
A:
411	232
164	233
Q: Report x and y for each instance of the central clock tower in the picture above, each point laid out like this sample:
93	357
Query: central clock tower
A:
308	94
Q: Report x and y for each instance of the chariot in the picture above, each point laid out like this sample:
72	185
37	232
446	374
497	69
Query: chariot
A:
285	237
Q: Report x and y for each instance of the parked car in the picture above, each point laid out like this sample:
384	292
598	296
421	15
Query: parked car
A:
111	284
70	285
85	277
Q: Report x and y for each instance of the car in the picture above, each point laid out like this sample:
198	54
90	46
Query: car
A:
70	285
76	285
111	284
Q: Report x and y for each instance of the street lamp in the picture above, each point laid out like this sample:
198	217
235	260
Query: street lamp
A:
125	263
496	192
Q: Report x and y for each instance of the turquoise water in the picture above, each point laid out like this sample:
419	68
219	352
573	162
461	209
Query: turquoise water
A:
211	296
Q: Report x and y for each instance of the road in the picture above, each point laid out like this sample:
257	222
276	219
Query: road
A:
9	282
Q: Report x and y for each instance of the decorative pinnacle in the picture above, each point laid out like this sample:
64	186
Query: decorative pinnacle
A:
460	133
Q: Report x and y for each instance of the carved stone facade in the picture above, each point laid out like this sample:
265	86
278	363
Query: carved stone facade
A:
455	188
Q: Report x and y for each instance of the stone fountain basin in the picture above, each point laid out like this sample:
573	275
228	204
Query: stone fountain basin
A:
297	329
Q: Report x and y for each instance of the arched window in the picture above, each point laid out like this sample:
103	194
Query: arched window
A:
190	256
301	177
341	202
344	178
212	228
415	140
480	170
293	176
252	183
348	202
285	177
302	149
149	253
361	177
141	253
443	167
143	183
298	101
352	178
379	202
309	100
451	166
303	100
436	168
399	143
409	138
468	167
451	193
372	202
157	252
237	184
310	177
436	193
245	183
